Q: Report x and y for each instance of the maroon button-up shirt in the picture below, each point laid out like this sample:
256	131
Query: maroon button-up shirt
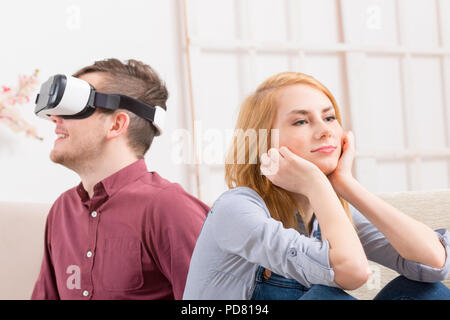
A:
133	240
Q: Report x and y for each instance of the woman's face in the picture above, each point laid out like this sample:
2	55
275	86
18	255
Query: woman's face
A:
307	121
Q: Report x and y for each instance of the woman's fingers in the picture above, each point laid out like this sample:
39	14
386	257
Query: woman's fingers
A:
265	160
265	171
288	171
270	162
349	140
274	154
285	152
345	162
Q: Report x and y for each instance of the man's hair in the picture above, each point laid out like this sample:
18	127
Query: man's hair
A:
137	80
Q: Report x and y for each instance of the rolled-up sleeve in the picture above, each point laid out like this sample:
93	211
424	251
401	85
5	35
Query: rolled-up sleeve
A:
243	227
378	249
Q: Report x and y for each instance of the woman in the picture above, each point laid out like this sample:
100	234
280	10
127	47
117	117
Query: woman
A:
285	229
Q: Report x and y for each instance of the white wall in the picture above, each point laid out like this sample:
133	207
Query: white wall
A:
51	36
386	61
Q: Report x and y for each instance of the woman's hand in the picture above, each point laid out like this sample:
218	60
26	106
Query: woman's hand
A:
343	172
291	172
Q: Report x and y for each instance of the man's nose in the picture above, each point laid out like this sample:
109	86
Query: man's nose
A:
56	119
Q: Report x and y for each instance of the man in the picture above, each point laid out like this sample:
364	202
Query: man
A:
123	232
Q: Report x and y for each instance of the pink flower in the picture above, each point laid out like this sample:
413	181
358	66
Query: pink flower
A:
9	114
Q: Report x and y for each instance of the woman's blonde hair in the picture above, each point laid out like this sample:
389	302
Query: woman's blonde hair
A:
257	114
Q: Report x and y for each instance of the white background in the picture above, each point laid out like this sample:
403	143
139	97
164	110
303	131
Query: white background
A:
386	62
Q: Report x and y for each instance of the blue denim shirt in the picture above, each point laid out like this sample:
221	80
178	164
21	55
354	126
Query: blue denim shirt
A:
239	235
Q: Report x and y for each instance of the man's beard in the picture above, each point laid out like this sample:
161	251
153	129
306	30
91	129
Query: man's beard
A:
79	157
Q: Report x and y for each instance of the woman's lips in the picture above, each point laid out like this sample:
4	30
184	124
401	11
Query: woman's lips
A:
325	150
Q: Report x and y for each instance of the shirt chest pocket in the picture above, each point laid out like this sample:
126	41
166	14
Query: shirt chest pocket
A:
122	264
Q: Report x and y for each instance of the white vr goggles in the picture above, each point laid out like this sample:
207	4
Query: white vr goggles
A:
73	98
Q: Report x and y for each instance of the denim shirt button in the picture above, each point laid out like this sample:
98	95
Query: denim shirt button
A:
292	252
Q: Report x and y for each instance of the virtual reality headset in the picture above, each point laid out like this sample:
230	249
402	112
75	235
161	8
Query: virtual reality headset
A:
73	98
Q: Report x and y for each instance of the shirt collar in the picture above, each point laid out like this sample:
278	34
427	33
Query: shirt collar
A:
110	185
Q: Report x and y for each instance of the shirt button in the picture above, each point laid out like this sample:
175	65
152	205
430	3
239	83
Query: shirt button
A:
89	254
292	252
94	214
85	293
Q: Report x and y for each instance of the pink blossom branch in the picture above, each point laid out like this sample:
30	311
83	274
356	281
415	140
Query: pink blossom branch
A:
10	98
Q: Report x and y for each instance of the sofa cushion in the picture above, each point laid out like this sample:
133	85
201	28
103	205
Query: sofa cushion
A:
21	247
429	207
22	240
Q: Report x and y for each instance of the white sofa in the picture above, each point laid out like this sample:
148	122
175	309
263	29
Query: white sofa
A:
21	247
22	239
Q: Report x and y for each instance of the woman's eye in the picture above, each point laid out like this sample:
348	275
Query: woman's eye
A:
300	122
